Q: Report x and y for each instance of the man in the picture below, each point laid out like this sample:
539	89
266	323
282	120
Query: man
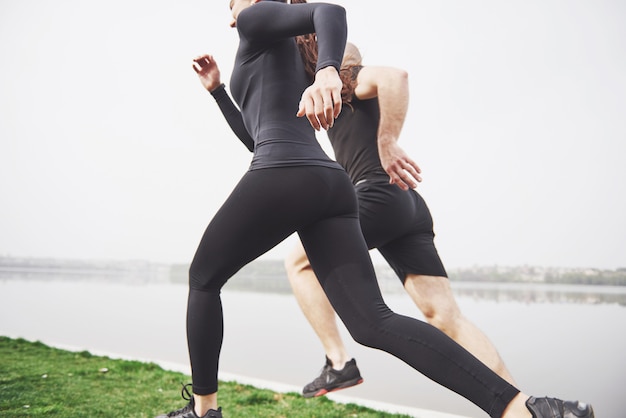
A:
394	219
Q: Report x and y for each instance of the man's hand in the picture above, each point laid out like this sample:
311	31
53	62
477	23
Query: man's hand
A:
402	170
321	101
208	72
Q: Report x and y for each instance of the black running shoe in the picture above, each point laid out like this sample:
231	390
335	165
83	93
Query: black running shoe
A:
556	408
187	411
330	379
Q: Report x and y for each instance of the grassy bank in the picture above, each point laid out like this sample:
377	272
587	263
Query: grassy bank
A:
41	381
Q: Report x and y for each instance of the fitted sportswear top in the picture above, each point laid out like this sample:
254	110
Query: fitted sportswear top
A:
354	138
269	78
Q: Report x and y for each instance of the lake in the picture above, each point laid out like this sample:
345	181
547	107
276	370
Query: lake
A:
562	341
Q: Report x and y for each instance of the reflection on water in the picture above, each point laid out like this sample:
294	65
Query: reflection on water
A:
541	293
130	272
270	278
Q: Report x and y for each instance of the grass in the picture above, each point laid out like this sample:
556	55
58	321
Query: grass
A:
41	381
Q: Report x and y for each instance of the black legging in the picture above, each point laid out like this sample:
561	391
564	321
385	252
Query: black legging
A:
320	204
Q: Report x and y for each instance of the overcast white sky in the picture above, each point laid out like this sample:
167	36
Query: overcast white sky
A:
110	149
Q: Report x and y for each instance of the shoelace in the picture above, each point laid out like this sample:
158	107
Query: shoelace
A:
185	392
324	376
186	396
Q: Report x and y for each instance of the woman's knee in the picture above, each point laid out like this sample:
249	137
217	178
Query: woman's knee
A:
364	335
370	329
202	277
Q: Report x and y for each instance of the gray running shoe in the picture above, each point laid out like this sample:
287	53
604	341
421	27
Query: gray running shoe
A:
556	408
330	379
187	411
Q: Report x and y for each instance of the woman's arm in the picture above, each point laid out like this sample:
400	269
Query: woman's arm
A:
232	116
209	75
267	21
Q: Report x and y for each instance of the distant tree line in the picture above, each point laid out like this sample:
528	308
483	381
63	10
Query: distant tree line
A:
600	277
269	275
526	274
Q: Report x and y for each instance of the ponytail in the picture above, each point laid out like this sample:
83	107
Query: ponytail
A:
307	44
308	49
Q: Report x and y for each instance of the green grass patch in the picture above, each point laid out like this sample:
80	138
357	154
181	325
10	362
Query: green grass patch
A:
41	381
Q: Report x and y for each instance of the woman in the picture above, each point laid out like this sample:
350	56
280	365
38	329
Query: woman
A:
292	186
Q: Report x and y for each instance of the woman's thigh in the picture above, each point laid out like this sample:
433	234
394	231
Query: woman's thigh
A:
265	207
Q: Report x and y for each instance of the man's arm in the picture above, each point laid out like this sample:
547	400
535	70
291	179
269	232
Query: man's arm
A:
391	86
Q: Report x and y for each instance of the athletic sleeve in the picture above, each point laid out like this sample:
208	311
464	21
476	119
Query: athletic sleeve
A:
233	116
332	33
269	21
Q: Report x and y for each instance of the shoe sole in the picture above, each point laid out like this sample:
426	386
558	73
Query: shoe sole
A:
344	385
589	413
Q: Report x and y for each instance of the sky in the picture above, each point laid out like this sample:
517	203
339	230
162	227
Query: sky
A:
111	149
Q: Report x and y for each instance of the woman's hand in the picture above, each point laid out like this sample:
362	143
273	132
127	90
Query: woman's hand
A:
321	101
208	72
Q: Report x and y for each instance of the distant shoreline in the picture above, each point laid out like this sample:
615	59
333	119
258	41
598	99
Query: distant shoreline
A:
267	272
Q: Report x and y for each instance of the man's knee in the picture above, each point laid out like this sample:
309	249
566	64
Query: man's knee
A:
434	298
296	261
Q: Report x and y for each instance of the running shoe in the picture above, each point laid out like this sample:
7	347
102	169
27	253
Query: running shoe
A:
187	411
556	408
330	379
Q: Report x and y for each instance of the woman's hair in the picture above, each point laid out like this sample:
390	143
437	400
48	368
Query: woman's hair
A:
352	60
308	49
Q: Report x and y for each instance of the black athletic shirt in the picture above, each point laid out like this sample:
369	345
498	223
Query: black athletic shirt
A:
269	78
354	138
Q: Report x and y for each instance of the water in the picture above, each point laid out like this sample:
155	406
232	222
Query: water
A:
552	343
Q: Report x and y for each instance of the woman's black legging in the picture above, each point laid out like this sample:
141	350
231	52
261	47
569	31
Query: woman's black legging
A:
320	204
